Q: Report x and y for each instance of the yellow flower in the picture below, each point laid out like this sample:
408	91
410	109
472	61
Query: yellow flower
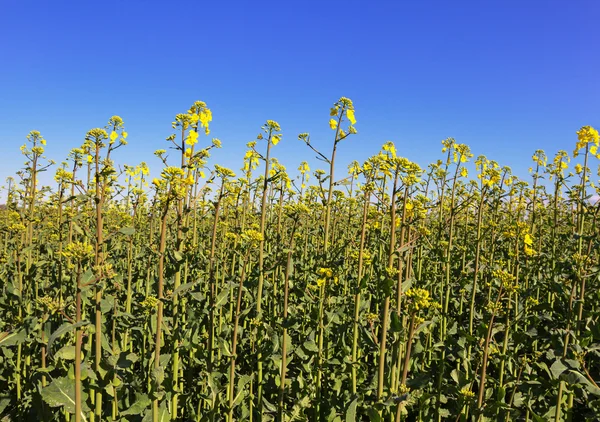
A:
466	393
304	168
418	299
224	172
529	251
350	115
587	134
332	124
252	237
79	251
327	272
205	118
192	138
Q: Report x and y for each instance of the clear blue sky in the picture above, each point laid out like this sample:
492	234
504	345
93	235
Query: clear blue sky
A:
506	77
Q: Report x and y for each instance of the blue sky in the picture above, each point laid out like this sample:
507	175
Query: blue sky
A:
506	77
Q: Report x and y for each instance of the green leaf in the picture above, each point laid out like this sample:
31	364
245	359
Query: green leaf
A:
163	413
574	377
311	346
396	324
12	338
138	407
373	415
127	231
224	347
183	288
243	381
77	229
66	327
444	413
61	393
66	353
157	376
221	298
351	412
557	368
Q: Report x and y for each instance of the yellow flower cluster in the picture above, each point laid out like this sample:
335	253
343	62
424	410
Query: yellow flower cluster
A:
403	389
149	303
418	299
586	135
223	172
494	307
456	152
49	304
325	275
371	317
343	105
252	237
528	241
78	251
63	176
466	393
198	113
366	256
489	171
296	209
304	168
272	125
96	136
326	272
539	157
507	280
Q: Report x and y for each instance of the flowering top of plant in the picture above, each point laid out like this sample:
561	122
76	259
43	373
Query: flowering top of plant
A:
585	136
343	107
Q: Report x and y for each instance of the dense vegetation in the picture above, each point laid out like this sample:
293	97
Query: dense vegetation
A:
393	292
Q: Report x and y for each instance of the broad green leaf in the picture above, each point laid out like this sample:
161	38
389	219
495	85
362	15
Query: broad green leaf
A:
127	231
138	407
221	298
12	338
311	346
61	393
66	327
66	353
557	368
351	412
183	288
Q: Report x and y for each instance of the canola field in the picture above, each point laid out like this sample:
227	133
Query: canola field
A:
385	291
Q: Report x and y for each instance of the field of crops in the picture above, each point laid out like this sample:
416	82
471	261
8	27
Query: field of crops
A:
387	291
